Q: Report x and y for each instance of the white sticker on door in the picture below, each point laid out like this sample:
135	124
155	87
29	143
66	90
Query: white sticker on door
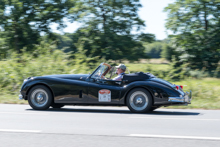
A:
104	95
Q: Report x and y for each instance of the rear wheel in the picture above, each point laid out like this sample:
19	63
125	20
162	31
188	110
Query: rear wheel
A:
40	97
139	100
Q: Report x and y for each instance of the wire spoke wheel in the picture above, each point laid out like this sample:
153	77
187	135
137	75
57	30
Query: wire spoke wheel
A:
139	100
40	97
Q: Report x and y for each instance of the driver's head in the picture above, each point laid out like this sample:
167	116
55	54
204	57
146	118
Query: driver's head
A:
120	68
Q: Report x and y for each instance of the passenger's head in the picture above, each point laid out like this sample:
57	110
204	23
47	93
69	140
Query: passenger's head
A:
120	68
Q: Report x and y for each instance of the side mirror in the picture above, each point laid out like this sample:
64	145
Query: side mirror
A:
98	81
92	80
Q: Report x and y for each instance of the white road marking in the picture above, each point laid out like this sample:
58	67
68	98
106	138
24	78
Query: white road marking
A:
24	113
177	137
23	131
177	118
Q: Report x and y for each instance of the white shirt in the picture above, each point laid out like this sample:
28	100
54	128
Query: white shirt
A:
119	77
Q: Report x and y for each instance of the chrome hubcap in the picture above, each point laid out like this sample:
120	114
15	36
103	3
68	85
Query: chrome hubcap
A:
138	100
39	97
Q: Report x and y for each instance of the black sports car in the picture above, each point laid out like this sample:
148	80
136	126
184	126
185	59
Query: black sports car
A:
141	92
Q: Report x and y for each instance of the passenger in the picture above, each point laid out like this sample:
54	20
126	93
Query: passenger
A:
121	68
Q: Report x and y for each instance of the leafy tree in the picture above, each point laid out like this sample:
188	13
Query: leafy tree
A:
178	70
107	29
3	46
154	49
160	49
24	20
147	37
64	41
168	51
196	27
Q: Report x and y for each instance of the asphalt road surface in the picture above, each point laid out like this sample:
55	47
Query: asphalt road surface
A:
74	126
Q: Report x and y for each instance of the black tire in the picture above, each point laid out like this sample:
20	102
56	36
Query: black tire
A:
40	97
139	100
57	105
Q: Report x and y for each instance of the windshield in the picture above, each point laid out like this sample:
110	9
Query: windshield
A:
105	71
99	72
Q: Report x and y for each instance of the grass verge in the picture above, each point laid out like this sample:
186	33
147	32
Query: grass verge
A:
145	67
205	93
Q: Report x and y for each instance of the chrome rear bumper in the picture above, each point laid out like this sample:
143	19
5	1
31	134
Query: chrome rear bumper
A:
182	99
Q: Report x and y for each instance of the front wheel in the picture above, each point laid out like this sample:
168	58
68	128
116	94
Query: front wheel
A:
139	100
40	97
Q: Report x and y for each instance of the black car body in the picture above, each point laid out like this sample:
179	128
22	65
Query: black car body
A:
85	89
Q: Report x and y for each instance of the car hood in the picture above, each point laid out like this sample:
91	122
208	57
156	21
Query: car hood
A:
69	76
158	80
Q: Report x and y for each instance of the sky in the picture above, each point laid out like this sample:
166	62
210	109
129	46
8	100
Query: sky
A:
154	17
151	12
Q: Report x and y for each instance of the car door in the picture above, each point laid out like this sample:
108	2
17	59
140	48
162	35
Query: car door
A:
70	91
102	91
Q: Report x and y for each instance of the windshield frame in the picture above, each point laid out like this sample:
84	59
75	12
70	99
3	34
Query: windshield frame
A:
101	67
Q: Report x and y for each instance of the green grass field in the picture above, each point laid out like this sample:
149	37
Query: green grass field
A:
205	93
135	67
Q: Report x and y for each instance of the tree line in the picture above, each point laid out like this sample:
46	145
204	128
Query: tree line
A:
196	33
106	30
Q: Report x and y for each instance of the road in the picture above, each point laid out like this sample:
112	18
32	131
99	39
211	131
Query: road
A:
89	126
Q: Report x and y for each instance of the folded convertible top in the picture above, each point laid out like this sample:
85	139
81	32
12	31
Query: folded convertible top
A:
138	76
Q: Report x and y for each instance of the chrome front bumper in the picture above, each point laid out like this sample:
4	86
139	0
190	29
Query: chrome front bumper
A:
182	99
21	97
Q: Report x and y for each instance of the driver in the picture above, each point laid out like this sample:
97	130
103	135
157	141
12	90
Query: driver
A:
121	68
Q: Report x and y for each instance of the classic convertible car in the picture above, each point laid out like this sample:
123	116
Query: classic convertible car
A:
141	92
